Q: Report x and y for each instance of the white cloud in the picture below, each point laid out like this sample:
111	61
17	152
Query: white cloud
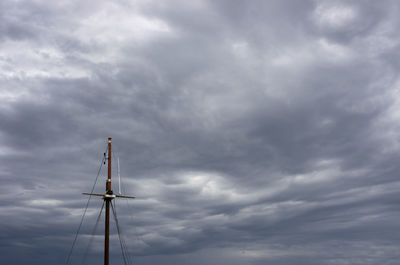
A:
334	15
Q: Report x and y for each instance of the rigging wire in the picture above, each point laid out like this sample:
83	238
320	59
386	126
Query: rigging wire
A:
125	253
129	256
118	230
84	212
130	208
128	204
138	237
121	240
92	236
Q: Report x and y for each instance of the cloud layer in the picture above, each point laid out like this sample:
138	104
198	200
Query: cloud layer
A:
262	132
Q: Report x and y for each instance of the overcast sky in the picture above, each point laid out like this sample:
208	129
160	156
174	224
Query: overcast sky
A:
251	132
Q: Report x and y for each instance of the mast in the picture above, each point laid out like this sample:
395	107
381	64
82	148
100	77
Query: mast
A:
108	201
108	196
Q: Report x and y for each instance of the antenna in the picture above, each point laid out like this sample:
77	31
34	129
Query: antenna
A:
119	179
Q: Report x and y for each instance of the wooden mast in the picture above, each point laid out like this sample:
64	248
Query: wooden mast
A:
108	201
108	196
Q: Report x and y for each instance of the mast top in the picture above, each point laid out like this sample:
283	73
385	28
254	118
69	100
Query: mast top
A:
109	139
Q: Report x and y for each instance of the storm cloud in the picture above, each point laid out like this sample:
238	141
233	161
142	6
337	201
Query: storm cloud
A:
251	132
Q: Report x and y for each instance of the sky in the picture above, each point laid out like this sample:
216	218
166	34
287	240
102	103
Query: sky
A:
251	132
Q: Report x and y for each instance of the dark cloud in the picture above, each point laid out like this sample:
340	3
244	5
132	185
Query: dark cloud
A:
251	132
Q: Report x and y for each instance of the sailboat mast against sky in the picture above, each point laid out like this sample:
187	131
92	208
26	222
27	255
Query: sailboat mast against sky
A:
108	196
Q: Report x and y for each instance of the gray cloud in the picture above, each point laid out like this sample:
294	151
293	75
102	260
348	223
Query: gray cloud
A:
251	133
